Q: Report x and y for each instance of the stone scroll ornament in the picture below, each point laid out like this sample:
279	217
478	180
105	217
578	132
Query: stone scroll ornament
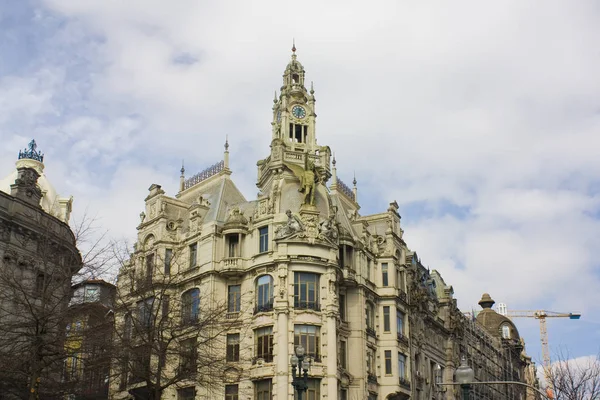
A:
309	178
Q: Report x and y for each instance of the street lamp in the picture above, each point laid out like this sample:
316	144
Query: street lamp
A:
299	379
464	376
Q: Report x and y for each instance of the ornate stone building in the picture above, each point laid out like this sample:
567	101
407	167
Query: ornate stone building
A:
38	257
300	265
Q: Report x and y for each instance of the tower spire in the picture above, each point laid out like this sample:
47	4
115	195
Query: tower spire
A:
334	172
182	177
226	154
354	189
294	46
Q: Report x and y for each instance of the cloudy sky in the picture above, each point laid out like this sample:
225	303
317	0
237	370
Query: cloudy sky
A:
481	119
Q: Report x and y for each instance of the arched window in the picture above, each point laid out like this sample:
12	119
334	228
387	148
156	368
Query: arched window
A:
505	331
190	306
264	293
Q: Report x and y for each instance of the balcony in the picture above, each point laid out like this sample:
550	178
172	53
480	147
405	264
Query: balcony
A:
402	296
232	266
263	307
402	339
371	377
307	305
265	358
371	332
404	383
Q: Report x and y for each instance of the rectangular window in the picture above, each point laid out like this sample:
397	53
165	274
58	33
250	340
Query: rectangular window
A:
386	319
263	239
140	368
233	243
187	357
39	284
400	323
128	325
344	394
401	366
190	306
384	274
370	362
264	343
400	279
307	336
388	361
231	392
306	291
168	260
234	298
166	300
144	308
188	393
342	354
263	390
368	269
193	254
343	306
149	268
233	347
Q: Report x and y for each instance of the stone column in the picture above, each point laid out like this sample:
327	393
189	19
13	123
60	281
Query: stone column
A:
283	368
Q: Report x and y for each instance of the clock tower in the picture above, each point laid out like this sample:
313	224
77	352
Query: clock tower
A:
293	137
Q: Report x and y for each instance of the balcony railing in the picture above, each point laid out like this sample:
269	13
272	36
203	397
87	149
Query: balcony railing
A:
263	307
402	339
371	331
405	383
402	295
307	305
265	358
371	377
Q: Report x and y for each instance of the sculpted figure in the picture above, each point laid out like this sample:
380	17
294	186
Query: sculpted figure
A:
292	226
308	177
328	228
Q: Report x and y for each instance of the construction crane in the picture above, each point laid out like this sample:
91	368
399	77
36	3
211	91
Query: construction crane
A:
540	315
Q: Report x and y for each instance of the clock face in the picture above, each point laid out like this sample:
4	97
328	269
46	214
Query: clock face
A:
299	112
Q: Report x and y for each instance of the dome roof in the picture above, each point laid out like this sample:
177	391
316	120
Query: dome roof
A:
493	321
51	202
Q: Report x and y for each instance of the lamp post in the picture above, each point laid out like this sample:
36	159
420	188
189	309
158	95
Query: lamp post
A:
299	376
464	377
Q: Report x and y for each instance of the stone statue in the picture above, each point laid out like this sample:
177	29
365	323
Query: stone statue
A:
309	177
293	225
328	229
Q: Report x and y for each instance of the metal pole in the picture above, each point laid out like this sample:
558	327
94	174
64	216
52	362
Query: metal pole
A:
465	390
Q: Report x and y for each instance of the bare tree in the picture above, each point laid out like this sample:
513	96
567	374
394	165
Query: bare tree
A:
37	266
574	379
170	332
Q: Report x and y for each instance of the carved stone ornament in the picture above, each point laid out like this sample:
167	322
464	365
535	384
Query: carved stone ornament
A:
236	218
311	227
293	226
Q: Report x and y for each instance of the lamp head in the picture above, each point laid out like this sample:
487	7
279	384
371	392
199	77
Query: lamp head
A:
305	365
300	351
464	374
294	360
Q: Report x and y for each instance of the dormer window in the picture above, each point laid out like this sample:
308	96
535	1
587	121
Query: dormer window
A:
505	331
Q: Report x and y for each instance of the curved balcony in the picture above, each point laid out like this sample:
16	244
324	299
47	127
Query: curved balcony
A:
232	266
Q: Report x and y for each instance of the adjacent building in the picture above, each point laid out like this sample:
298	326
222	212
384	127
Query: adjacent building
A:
38	257
298	265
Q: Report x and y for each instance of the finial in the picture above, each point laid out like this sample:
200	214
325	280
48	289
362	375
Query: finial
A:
31	152
354	180
226	142
293	45
182	168
312	88
334	162
275	98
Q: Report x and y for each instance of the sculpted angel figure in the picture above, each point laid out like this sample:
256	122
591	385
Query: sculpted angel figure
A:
308	177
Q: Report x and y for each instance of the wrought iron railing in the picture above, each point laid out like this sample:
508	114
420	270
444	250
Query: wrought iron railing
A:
207	173
403	382
371	377
371	331
307	305
345	189
402	339
263	307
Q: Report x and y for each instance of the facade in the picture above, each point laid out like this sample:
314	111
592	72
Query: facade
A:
88	344
300	265
38	257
